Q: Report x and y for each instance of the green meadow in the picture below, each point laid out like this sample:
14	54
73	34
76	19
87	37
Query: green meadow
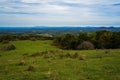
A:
40	60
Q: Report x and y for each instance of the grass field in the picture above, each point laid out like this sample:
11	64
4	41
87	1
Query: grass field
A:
39	60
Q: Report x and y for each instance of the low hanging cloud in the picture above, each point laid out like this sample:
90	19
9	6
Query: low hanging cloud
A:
59	12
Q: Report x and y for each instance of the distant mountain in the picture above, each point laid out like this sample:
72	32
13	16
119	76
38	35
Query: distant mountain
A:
55	30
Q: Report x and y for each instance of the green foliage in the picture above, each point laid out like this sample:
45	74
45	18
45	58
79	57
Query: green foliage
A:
115	40
67	41
32	37
83	36
8	47
103	39
100	39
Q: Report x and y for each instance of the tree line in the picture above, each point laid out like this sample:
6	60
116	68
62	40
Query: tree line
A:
95	40
10	37
84	40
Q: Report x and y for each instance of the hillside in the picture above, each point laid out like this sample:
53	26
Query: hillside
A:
39	60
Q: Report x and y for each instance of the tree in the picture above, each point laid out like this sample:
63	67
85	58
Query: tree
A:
66	41
103	39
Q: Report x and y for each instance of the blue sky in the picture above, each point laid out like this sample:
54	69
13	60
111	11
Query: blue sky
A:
60	12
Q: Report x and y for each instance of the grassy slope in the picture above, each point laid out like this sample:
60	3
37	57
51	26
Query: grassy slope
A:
97	66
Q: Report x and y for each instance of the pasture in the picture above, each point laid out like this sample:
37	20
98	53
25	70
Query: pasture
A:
40	60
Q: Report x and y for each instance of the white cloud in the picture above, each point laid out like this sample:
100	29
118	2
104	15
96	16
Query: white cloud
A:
31	1
61	11
2	0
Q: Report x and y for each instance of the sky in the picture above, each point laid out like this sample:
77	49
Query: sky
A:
60	12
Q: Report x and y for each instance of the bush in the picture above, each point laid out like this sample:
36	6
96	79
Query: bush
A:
31	68
5	42
107	51
8	47
85	46
68	55
75	55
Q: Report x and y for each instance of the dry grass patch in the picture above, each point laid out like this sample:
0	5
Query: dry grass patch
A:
83	57
22	62
31	68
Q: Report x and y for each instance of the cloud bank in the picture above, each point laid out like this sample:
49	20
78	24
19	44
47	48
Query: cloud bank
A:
59	12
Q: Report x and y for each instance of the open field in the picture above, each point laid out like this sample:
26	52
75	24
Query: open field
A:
39	60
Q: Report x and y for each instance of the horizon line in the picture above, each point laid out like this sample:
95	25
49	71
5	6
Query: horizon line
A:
59	26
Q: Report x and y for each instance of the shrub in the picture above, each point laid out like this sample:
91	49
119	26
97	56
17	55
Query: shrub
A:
5	42
85	46
68	55
107	51
8	47
31	68
75	55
